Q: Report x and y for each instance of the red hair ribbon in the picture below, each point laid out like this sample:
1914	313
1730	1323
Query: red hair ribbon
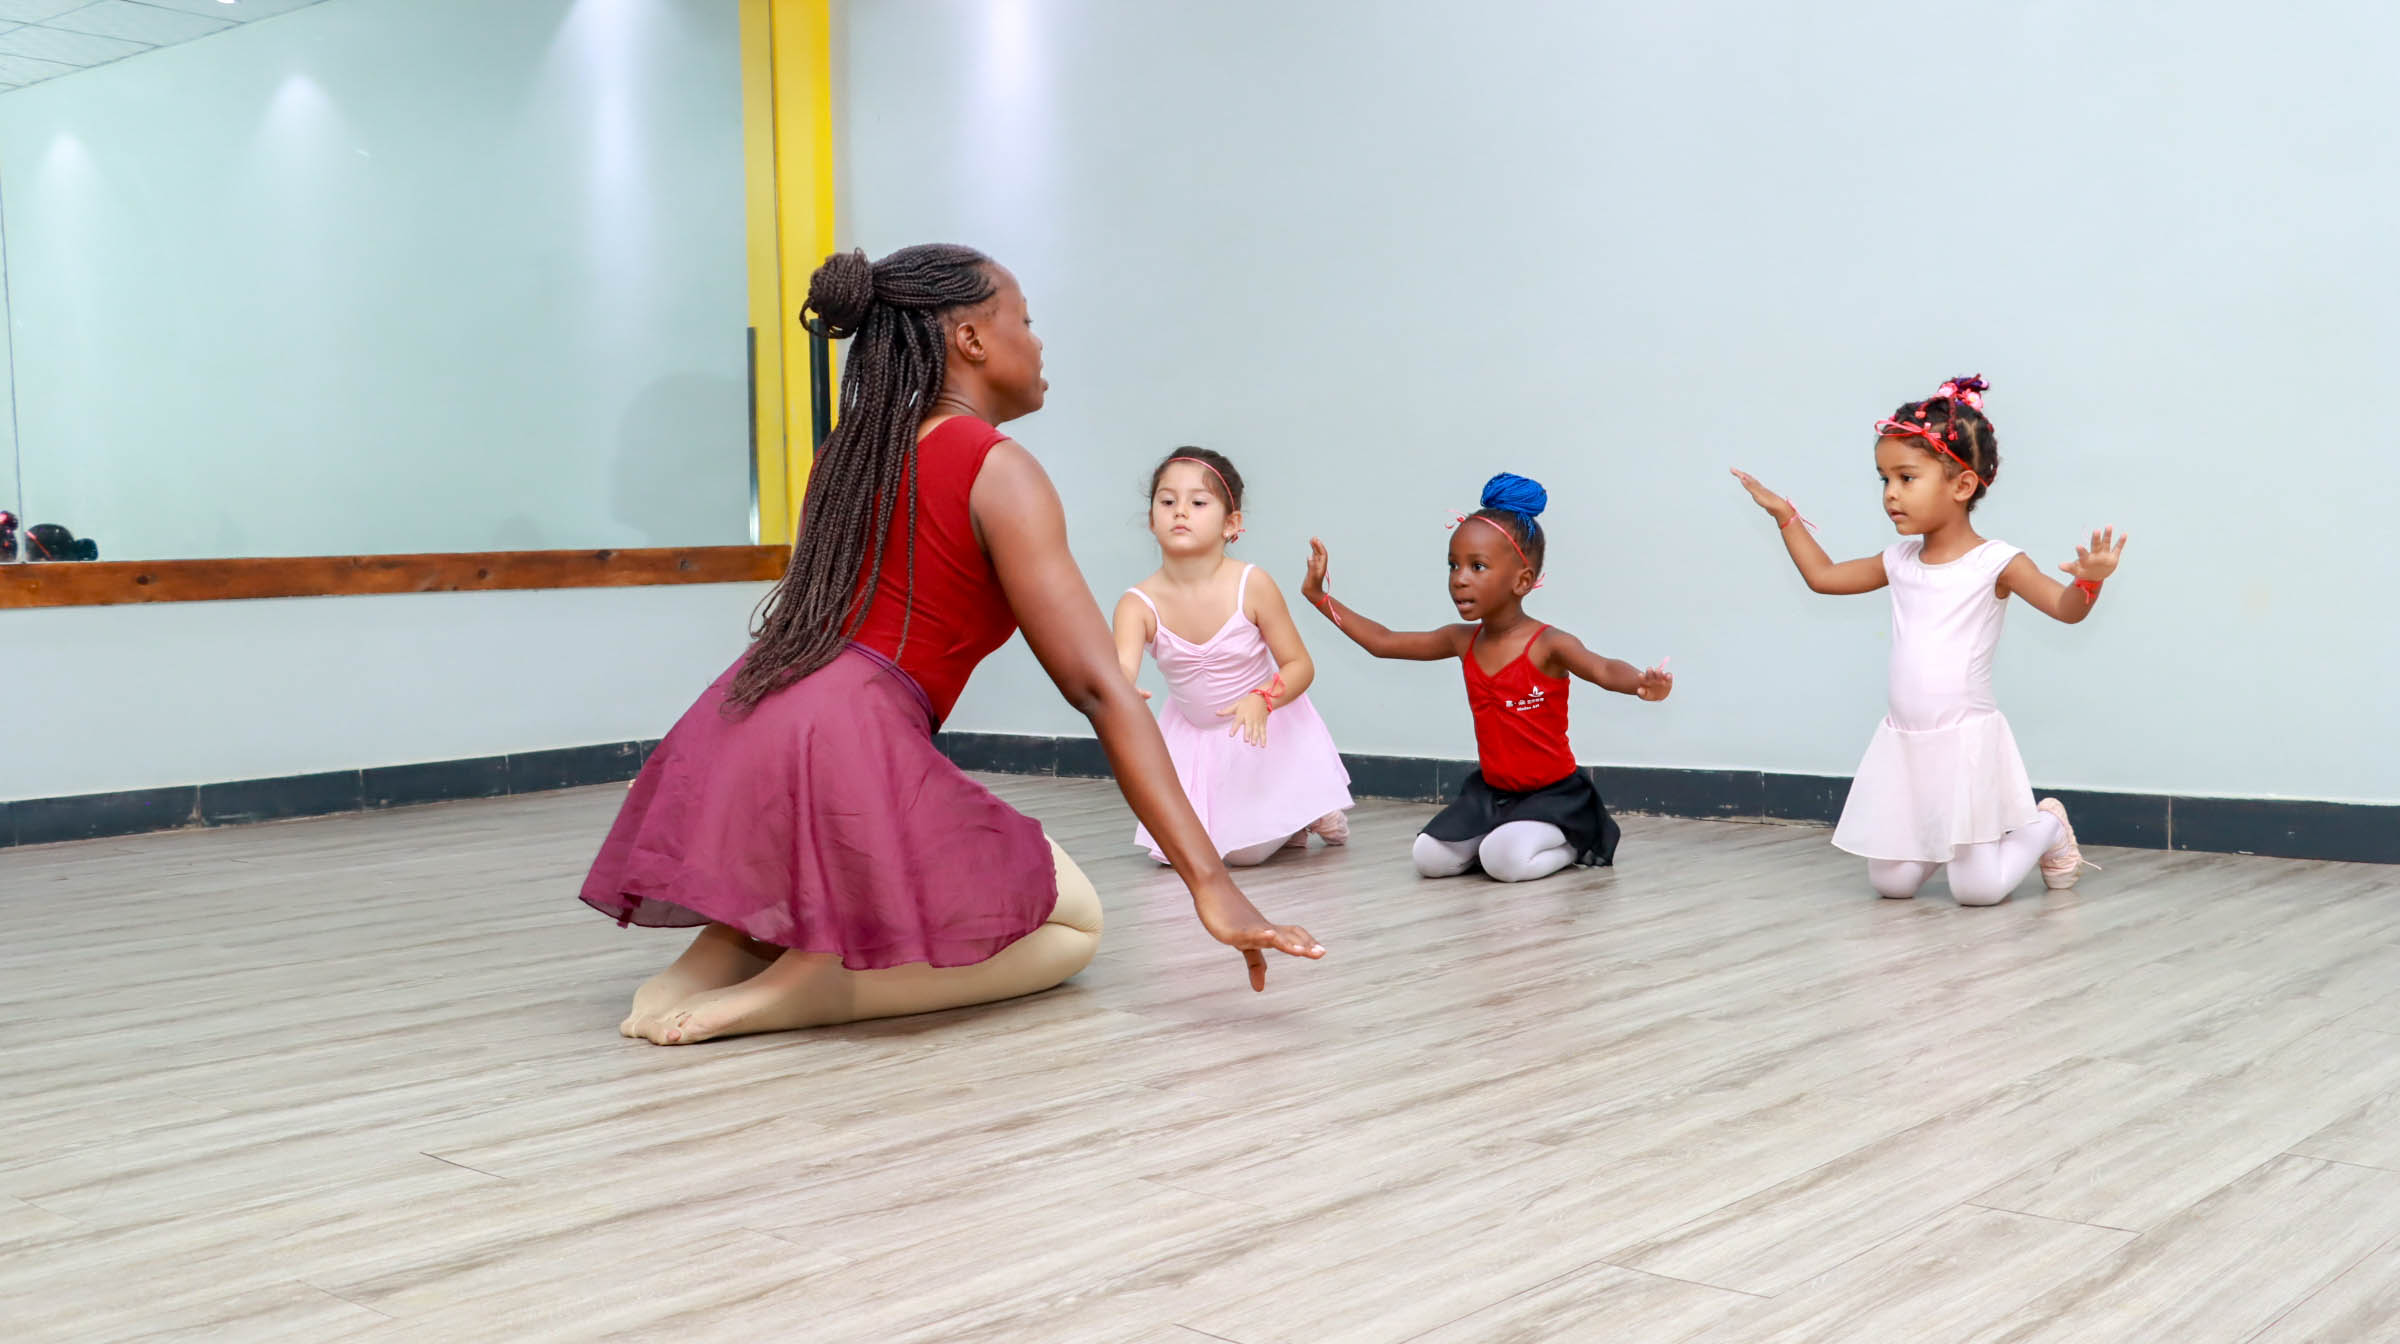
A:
1934	438
1957	392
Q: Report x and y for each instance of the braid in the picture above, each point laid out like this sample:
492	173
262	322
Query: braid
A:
867	471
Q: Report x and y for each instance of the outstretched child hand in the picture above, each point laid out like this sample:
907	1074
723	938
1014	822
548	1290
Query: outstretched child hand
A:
1776	505
1312	588
1249	715
1657	683
2099	560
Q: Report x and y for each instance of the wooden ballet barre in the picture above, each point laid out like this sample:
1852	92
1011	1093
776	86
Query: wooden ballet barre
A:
108	583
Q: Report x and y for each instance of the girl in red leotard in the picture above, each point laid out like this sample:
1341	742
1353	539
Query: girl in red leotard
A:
1527	811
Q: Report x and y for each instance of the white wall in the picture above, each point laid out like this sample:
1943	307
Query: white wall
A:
133	697
389	275
1377	249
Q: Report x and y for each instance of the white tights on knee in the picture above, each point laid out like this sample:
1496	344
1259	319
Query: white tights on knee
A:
1519	851
1442	858
1979	874
1256	854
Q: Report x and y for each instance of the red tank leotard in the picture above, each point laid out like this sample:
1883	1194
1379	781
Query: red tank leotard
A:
959	614
1520	721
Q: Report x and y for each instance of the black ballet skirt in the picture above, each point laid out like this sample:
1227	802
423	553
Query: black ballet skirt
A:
1571	804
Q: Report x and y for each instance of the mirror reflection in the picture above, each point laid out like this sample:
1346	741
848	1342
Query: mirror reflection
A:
374	276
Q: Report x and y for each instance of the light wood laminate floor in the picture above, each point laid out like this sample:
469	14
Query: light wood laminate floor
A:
358	1079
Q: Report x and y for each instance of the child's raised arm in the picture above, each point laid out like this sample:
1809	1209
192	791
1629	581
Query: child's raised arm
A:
1422	646
1557	653
2059	601
1822	573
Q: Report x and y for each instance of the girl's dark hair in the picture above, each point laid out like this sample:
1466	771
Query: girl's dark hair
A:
1512	503
866	474
1961	425
1229	481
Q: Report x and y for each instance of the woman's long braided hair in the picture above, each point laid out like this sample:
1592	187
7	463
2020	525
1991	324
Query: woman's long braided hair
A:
867	471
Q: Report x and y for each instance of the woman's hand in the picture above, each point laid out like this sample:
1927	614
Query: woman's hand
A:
1231	919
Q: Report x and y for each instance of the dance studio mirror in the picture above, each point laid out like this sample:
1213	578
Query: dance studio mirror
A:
274	289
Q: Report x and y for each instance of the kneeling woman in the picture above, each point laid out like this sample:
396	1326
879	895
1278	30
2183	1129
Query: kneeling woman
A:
840	867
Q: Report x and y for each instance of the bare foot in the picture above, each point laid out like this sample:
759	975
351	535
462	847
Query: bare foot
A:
792	993
720	956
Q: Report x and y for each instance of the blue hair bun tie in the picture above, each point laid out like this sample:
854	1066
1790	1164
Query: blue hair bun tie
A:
1516	494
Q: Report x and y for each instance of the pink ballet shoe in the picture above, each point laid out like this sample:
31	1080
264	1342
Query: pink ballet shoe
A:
1333	828
1299	840
2064	863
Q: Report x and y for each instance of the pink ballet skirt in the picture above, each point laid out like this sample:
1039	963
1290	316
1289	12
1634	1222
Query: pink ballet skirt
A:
825	820
1245	795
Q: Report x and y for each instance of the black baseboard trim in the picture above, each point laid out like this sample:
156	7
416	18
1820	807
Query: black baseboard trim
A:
2283	828
93	816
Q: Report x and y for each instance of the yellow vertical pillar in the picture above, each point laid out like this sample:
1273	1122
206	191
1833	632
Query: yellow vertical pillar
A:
787	101
769	465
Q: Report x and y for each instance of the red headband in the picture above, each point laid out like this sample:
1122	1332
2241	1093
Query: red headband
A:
1462	519
1213	471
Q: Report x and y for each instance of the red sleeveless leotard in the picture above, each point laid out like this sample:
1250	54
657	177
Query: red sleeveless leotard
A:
960	614
1520	721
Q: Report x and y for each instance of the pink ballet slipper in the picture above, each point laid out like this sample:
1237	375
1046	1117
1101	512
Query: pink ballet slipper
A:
2064	862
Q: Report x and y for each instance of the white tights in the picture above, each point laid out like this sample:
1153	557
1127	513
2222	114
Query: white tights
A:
1518	851
1979	874
1258	853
